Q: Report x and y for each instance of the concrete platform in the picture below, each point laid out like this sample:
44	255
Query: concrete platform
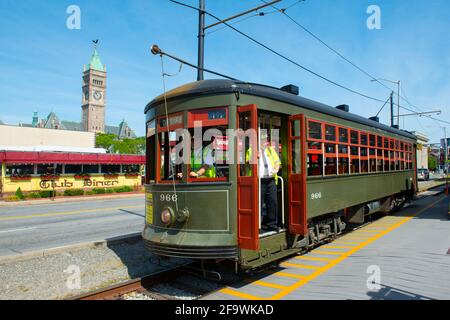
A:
399	257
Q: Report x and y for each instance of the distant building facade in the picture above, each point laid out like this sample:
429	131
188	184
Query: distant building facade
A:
422	150
93	106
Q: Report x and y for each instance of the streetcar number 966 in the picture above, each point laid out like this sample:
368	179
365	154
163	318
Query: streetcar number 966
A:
168	197
316	195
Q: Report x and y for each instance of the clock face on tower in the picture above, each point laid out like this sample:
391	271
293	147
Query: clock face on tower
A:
98	95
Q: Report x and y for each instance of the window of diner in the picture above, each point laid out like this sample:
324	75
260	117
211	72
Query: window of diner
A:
131	168
105	168
73	169
94	168
49	169
314	165
314	130
19	169
330	133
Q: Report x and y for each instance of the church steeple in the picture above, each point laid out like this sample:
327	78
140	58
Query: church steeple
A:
95	63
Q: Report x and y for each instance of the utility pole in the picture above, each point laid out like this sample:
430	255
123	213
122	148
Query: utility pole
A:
201	40
392	108
398	103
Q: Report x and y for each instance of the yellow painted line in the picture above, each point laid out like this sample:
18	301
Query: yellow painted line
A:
367	231
238	294
55	214
298	265
289	275
323	269
312	258
337	247
328	252
345	242
269	285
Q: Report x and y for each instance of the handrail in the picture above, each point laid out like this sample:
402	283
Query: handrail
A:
282	199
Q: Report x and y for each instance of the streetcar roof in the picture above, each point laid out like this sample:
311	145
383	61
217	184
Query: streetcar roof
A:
223	86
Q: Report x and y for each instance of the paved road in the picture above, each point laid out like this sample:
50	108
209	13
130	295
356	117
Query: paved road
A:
36	227
406	254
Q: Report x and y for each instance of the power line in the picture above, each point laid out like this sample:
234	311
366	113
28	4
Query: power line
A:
283	56
283	11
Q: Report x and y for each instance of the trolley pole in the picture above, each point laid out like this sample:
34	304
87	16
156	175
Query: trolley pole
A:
392	108
398	103
201	40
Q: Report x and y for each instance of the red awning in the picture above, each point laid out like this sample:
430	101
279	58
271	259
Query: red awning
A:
16	157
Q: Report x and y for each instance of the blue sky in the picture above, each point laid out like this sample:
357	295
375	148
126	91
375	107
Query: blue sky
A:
41	61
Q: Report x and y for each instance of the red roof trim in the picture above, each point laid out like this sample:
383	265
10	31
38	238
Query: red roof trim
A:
68	158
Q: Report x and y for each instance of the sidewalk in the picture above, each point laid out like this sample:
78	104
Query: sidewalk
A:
71	199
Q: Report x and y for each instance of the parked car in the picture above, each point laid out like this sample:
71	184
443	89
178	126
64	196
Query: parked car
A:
423	174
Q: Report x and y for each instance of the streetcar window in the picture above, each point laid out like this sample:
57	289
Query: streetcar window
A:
150	174
379	165
330	148
330	166
372	152
373	165
386	160
354	151
296	168
364	139
397	161
364	166
330	133
169	168
314	145
363	152
343	135
392	160
314	164
386	143
372	141
314	130
343	149
343	166
379	142
354	137
247	156
354	166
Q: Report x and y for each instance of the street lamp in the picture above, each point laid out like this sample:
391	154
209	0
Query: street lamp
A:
398	95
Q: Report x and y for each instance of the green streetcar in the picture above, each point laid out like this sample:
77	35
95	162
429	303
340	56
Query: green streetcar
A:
337	168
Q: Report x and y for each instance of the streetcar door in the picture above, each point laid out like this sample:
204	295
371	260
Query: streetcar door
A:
247	184
297	175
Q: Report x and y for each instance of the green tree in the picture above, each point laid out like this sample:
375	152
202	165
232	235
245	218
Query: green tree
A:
115	145
432	163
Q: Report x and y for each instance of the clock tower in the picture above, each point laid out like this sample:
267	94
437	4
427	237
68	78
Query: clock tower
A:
94	94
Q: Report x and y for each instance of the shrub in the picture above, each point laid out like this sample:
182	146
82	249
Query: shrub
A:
73	192
90	193
46	193
33	195
109	190
123	189
12	198
19	194
99	190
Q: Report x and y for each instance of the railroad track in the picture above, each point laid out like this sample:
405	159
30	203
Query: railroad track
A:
180	283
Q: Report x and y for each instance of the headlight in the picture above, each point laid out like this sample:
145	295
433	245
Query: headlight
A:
167	216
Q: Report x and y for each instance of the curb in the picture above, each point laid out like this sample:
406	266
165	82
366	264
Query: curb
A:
129	238
70	199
